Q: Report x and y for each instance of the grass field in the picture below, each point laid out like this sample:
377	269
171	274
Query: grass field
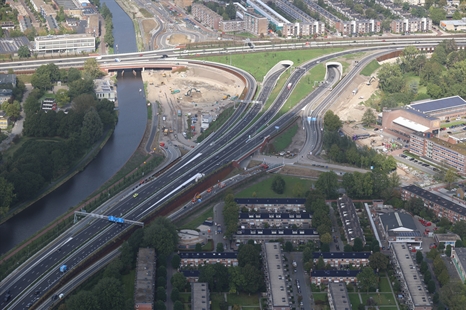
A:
448	125
383	299
319	296
384	285
216	298
185	297
281	142
412	78
354	298
243	300
370	68
258	64
263	190
197	220
128	284
25	78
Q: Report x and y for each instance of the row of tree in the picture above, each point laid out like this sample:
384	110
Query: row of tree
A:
230	215
108	17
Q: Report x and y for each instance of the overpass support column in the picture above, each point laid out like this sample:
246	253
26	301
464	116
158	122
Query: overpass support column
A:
143	69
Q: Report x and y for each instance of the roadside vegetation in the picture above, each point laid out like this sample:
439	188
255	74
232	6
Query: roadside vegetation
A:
294	187
370	68
283	141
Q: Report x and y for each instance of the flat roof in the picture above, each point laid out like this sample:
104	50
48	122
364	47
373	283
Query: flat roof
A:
411	275
438	104
12	45
410	124
272	215
64	36
267	201
447	204
458	147
276	276
145	276
418	113
199	296
396	220
207	255
453	22
352	255
461	255
339	295
446	237
191	273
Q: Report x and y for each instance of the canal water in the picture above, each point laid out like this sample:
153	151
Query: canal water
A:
124	141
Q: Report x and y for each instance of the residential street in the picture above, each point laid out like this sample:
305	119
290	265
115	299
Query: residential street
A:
303	278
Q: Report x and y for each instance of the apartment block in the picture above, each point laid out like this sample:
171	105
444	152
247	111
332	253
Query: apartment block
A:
410	25
255	23
206	16
277	294
272	219
200	296
319	277
338	298
4	122
343	259
144	287
281	205
264	235
231	25
196	259
73	43
350	219
458	258
439	205
452	153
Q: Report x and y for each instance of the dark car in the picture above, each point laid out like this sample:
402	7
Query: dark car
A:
7	297
164	56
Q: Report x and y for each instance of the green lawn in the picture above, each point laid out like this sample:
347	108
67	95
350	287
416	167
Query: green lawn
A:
25	78
128	284
197	220
354	298
385	285
319	296
216	298
263	189
448	125
409	78
185	297
370	68
383	299
281	142
258	64
243	299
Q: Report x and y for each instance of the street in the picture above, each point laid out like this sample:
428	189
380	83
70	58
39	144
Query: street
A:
300	275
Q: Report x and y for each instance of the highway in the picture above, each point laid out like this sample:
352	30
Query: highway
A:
41	273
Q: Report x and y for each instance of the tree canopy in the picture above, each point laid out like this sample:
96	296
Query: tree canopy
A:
161	235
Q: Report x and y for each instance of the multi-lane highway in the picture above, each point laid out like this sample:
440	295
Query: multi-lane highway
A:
229	143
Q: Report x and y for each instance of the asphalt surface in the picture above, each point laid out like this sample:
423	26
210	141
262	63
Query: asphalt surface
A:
302	277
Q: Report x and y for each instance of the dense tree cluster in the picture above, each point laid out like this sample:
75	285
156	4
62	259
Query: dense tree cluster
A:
107	15
161	235
440	269
228	11
278	185
246	277
230	215
315	204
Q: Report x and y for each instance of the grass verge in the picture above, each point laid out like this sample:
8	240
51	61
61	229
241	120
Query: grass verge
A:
194	221
281	142
263	188
214	126
370	68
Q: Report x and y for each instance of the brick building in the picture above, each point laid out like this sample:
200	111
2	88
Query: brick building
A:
319	277
343	259
410	25
272	204
206	16
278	220
195	259
439	205
403	122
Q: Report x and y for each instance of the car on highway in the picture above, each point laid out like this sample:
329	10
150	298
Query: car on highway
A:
135	195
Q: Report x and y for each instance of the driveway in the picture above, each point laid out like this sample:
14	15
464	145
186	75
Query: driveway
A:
303	278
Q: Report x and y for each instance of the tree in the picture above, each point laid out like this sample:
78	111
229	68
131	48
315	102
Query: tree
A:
176	260
92	128
368	118
41	81
326	238
220	248
161	293
161	281
437	14
178	280
113	270
320	263
331	121
358	245
160	305
91	69
24	52
82	300
73	75
230	10
62	97
431	286
198	247
419	257
457	15
161	235
390	78
178	305
248	254
175	294
80	87
348	248
328	183
458	243
278	185
252	278
448	251
367	278
108	294
378	261
6	196
450	177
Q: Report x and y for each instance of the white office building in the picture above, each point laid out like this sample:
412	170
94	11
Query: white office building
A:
67	43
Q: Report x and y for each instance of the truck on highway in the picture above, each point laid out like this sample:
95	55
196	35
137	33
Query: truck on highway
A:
289	86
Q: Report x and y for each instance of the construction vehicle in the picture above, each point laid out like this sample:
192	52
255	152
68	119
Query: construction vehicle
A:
164	74
209	190
197	197
165	132
189	92
221	185
226	96
175	91
370	80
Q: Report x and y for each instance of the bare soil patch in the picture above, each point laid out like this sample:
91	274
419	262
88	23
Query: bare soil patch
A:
148	24
301	171
178	38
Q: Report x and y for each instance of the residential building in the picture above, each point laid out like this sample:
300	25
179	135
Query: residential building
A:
447	239
270	234
8	80
206	16
307	25
4	122
24	22
350	220
450	152
272	204
277	293
277	220
272	16
196	259
49	104
5	94
231	25
338	298
453	25
255	23
439	205
67	43
105	90
458	258
200	297
412	286
319	277
343	259
191	275
411	25
144	287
